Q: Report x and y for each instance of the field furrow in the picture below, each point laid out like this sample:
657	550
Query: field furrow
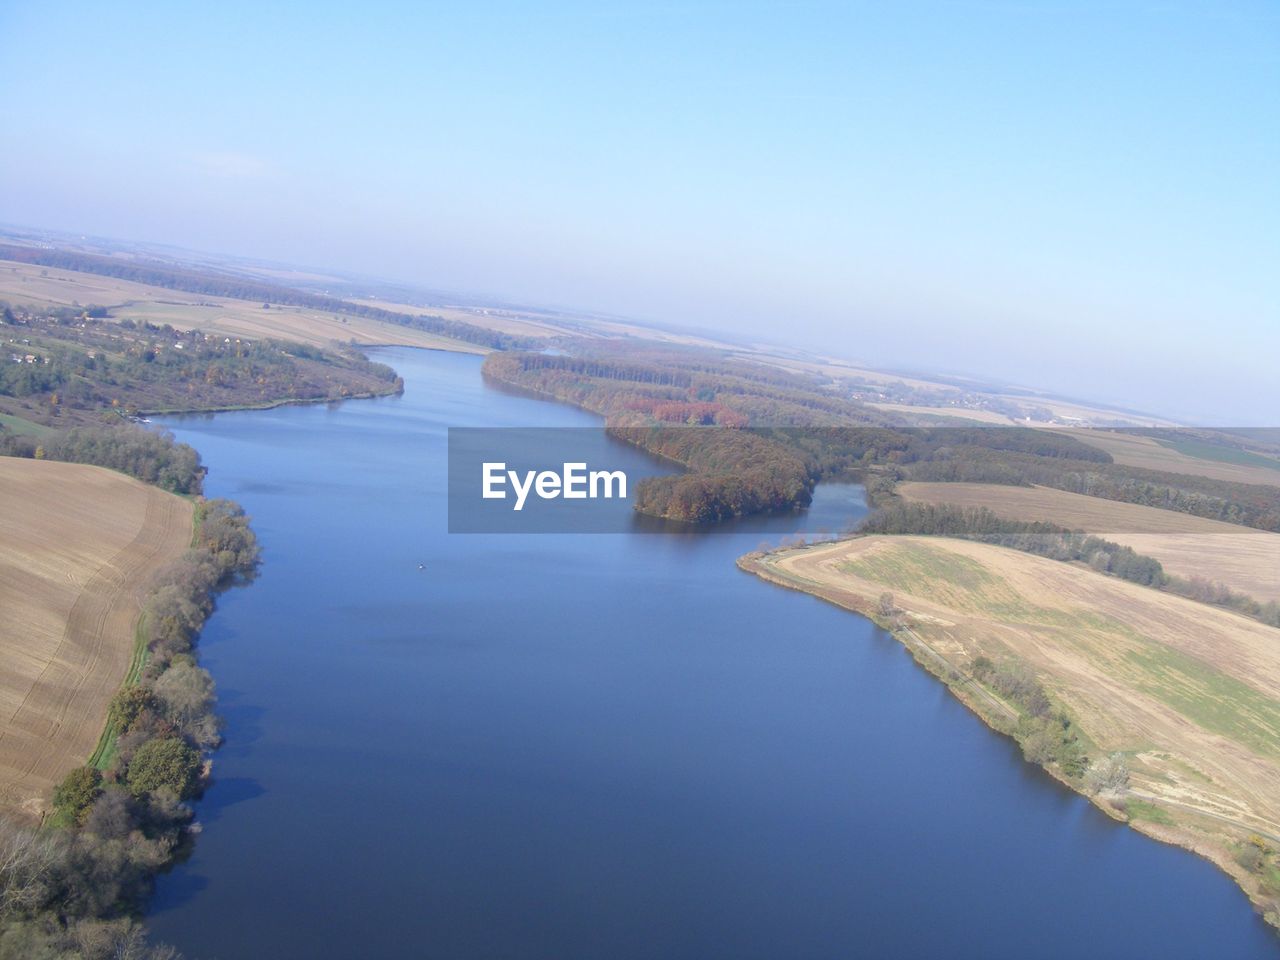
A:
78	545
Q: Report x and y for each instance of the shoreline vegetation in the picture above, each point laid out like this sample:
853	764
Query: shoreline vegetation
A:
73	367
1016	700
78	883
270	404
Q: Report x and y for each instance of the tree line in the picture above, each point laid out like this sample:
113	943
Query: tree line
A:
1041	539
1058	543
1250	505
152	456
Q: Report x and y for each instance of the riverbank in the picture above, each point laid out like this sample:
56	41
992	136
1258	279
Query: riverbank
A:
391	391
963	611
77	870
76	369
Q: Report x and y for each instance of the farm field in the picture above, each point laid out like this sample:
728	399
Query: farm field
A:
1138	451
1189	693
1245	559
535	322
1088	413
78	545
979	416
516	322
28	284
847	372
838	369
33	285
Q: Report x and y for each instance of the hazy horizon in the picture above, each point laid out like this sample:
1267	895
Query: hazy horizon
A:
478	299
1074	197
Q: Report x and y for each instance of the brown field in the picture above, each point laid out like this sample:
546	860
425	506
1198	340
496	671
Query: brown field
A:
287	276
1087	413
843	370
980	416
515	322
1135	451
534	322
29	284
1246	560
838	369
45	286
78	544
1189	692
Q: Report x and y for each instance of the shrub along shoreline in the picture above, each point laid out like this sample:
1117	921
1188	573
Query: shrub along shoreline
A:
77	885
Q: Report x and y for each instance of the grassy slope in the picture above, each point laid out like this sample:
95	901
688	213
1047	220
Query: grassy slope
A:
1189	693
1220	454
23	426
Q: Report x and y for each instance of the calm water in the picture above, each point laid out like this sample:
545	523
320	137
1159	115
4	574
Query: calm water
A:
604	746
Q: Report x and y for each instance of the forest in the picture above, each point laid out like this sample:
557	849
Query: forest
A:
755	438
688	407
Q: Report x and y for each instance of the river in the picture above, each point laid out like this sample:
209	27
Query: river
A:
612	745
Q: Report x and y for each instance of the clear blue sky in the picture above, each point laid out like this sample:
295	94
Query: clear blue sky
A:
1081	196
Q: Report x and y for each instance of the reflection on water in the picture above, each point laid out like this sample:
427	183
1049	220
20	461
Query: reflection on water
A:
605	745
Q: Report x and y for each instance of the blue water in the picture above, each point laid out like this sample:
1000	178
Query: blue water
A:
605	746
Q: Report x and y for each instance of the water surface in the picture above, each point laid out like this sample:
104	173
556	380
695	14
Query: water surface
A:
605	745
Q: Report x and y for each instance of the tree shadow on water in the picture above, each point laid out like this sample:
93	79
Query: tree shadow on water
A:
180	887
241	722
224	793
